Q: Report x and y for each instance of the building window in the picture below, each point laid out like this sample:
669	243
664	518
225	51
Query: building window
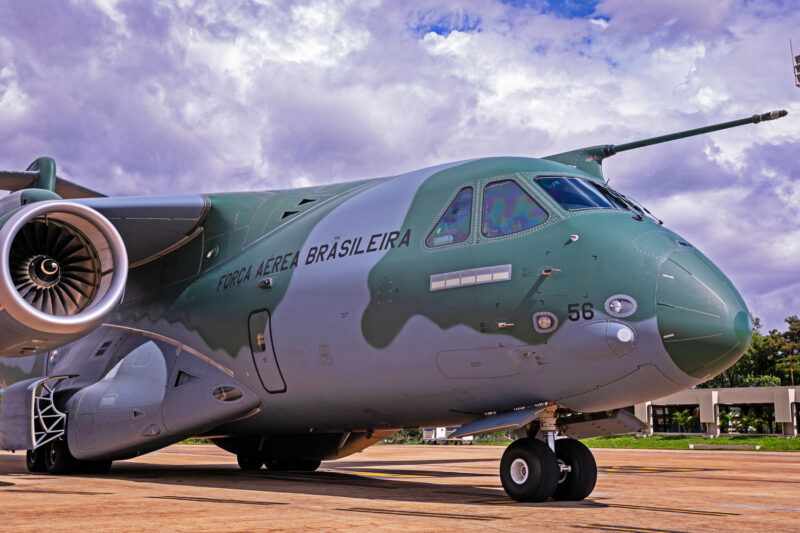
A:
748	418
676	419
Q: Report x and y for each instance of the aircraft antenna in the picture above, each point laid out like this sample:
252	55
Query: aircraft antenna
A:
755	119
590	158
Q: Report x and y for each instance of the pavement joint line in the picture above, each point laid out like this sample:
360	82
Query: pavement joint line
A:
734	479
377	474
626	529
421	514
669	510
55	491
199	499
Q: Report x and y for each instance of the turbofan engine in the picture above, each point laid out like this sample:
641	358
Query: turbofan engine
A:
63	269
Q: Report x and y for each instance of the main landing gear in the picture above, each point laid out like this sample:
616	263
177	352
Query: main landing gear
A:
533	471
55	458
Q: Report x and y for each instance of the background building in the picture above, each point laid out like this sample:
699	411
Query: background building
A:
739	410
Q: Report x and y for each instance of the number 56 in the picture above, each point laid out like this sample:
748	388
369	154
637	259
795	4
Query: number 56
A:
578	311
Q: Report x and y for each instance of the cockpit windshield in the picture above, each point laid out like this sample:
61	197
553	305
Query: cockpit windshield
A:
575	193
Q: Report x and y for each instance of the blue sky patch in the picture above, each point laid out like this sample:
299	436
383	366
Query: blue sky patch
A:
560	8
445	23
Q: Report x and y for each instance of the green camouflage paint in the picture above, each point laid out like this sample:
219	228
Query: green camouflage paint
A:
589	270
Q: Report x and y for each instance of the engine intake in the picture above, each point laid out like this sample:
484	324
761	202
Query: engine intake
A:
63	269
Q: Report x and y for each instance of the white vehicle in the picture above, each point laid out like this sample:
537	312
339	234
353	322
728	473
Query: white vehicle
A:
442	435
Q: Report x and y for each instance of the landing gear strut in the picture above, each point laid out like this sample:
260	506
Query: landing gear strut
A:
533	470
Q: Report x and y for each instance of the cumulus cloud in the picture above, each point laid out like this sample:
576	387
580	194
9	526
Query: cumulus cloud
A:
164	96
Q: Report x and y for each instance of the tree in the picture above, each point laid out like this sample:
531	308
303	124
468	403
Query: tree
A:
770	360
767	380
728	420
684	419
790	364
753	420
790	352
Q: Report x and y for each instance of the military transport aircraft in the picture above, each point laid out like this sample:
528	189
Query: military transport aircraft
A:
295	326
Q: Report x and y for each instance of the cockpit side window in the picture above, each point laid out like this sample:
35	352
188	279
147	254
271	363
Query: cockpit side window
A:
574	193
508	209
455	224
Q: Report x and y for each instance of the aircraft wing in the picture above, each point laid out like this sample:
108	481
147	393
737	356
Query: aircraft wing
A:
152	226
19	180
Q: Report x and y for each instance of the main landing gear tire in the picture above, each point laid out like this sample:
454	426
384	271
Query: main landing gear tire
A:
529	471
579	480
34	460
57	459
296	465
249	463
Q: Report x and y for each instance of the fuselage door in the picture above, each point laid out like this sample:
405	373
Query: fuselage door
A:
263	352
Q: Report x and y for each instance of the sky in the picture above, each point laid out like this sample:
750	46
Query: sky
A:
156	97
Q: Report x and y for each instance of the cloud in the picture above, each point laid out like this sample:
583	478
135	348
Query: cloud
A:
157	97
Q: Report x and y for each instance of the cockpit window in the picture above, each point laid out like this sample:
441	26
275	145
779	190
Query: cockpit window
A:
574	193
508	209
455	224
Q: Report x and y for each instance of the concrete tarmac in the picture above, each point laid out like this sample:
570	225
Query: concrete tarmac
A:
405	488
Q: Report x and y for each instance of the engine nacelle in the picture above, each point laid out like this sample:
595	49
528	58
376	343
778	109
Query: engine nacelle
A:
63	269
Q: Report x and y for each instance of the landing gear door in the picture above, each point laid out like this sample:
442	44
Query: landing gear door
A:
264	353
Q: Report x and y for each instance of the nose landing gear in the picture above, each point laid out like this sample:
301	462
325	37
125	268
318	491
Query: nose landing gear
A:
533	471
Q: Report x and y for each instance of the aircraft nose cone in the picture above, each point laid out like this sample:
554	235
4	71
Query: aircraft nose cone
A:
702	318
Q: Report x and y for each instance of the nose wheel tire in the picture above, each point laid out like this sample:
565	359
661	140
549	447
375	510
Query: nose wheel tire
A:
249	463
529	471
578	481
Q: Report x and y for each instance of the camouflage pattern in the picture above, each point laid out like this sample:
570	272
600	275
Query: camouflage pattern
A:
320	301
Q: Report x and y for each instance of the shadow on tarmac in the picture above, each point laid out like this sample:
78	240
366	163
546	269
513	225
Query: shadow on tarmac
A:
332	479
